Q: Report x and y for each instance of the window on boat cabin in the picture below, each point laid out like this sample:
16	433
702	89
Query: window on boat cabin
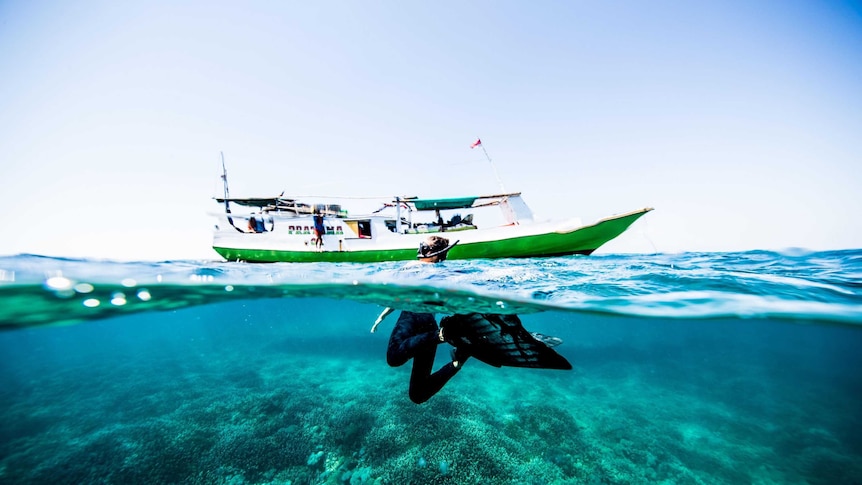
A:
364	228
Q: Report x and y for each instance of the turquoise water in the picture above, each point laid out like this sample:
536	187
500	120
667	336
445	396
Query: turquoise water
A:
689	368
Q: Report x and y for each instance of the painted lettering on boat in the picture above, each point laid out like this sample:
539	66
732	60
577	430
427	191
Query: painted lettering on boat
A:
305	229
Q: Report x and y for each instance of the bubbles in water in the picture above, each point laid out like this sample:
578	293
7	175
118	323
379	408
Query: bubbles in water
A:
84	288
58	283
61	286
118	299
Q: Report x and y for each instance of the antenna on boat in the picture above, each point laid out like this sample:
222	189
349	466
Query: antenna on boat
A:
478	143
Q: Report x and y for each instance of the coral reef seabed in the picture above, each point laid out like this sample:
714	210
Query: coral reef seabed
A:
252	417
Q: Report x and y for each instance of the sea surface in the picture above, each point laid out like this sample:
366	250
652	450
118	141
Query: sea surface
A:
695	368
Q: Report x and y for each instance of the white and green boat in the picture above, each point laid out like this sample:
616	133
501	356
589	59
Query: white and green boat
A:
281	229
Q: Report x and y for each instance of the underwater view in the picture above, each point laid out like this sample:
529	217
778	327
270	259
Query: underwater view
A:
694	368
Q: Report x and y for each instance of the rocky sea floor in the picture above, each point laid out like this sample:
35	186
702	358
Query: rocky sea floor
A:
312	412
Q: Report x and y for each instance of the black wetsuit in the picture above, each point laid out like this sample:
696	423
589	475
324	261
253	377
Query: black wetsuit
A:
415	335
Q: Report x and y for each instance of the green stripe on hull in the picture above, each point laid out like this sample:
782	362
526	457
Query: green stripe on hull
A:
273	256
584	240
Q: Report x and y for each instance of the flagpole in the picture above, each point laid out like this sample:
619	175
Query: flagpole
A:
494	167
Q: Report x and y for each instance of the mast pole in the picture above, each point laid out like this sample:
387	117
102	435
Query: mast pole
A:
398	214
494	167
224	179
227	194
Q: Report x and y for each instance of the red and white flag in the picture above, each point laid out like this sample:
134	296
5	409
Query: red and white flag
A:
476	143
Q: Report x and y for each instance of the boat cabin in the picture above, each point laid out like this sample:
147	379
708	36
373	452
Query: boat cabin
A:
295	217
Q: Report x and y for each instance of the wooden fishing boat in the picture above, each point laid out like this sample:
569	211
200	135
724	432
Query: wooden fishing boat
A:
282	229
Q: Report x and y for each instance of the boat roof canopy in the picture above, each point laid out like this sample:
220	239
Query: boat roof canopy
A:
432	204
457	202
290	203
258	201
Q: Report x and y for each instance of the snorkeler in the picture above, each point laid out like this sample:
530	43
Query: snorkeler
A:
416	336
497	340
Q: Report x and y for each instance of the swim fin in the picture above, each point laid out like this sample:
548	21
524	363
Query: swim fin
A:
500	340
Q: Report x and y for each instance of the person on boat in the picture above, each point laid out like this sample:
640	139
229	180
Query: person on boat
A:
416	336
256	223
319	230
440	222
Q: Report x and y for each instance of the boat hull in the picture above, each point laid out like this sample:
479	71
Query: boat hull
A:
506	242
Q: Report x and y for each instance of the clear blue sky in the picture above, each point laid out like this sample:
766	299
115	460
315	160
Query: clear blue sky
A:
739	121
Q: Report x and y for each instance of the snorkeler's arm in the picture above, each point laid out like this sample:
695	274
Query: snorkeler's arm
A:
385	313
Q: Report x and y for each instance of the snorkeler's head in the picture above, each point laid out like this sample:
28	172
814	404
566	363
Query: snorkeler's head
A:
434	249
